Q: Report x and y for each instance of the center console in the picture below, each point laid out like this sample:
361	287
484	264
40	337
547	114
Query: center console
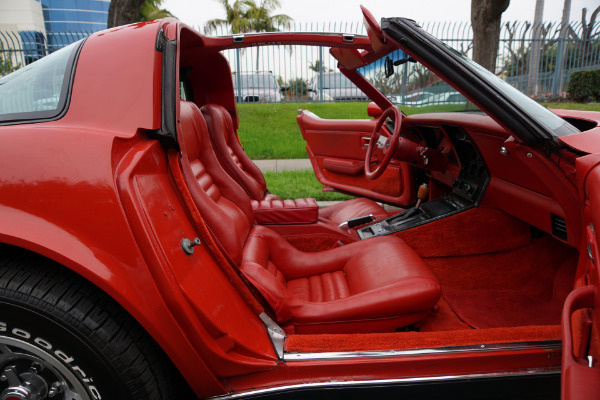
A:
466	192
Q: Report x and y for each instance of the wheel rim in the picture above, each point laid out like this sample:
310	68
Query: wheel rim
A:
30	373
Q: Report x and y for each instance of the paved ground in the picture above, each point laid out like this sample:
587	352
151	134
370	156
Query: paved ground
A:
283	165
298	164
287	165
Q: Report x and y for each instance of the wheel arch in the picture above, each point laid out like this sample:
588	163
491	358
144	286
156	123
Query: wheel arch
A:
148	311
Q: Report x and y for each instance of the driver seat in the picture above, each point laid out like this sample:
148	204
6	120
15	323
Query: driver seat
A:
241	169
374	285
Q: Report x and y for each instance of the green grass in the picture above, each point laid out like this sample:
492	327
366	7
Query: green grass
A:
270	131
574	106
299	184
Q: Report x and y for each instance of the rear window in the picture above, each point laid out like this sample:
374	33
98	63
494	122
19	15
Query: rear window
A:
38	91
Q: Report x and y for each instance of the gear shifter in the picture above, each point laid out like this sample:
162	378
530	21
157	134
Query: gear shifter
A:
422	194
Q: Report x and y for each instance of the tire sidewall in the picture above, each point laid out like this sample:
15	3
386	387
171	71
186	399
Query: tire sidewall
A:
64	343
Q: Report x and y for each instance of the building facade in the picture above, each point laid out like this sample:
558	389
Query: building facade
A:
75	15
39	27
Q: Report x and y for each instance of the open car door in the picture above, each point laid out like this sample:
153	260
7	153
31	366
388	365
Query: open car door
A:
337	151
581	313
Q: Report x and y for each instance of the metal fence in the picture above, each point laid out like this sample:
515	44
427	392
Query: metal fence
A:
538	61
18	49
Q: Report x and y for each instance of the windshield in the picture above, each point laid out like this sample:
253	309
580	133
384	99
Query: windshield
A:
412	85
38	90
256	82
547	118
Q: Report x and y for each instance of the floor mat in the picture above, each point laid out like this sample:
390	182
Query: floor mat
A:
502	308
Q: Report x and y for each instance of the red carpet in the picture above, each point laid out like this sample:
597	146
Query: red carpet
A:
502	308
542	276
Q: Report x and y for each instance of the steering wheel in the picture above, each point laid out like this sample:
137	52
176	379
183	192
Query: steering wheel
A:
388	152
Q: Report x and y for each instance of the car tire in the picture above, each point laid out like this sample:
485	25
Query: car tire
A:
63	338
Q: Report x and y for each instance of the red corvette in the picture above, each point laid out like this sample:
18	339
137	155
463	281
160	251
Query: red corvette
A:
142	256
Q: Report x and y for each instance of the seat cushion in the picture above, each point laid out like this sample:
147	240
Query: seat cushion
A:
374	285
230	152
354	208
242	169
276	211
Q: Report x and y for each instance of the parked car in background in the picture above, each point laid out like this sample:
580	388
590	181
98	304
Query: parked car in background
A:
143	257
425	98
334	86
256	87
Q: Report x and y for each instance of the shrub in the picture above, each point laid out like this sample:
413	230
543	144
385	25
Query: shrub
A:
298	87
584	86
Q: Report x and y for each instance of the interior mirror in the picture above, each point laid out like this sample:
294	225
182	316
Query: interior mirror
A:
389	67
405	60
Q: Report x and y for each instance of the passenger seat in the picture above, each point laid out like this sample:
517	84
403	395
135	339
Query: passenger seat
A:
240	167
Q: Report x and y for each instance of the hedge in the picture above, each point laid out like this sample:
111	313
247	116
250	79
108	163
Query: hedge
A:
584	86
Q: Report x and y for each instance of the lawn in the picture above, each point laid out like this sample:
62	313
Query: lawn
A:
270	131
299	184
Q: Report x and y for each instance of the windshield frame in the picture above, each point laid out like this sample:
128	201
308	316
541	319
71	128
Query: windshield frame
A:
472	83
63	100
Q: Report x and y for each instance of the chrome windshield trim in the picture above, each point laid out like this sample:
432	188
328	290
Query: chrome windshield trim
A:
388	382
273	33
549	344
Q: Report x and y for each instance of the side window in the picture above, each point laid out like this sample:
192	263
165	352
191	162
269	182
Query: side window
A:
40	89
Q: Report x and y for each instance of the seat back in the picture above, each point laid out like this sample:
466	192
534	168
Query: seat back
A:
230	153
224	206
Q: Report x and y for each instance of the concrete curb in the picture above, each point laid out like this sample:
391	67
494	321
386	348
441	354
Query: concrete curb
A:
290	165
283	165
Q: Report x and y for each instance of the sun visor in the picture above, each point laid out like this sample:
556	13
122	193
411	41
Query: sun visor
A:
349	58
373	30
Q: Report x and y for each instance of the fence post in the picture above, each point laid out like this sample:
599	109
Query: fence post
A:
238	75
320	73
558	69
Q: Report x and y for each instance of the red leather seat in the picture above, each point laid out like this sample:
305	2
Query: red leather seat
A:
240	167
374	285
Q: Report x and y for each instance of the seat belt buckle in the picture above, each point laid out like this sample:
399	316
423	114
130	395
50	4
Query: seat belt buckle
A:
354	222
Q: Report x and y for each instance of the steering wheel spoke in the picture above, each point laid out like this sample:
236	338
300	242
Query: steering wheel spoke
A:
389	147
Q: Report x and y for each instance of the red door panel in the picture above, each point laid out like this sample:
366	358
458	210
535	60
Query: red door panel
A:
337	150
581	313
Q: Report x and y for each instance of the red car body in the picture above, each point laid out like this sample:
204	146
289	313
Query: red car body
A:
92	191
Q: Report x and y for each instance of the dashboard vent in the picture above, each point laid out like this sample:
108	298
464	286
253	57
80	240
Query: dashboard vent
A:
559	227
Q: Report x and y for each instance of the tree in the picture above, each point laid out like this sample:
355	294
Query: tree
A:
123	12
236	17
262	20
564	31
151	10
485	19
534	59
318	67
245	16
6	64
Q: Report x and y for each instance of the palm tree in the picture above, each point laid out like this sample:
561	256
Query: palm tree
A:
236	17
150	10
534	60
262	21
121	12
245	16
